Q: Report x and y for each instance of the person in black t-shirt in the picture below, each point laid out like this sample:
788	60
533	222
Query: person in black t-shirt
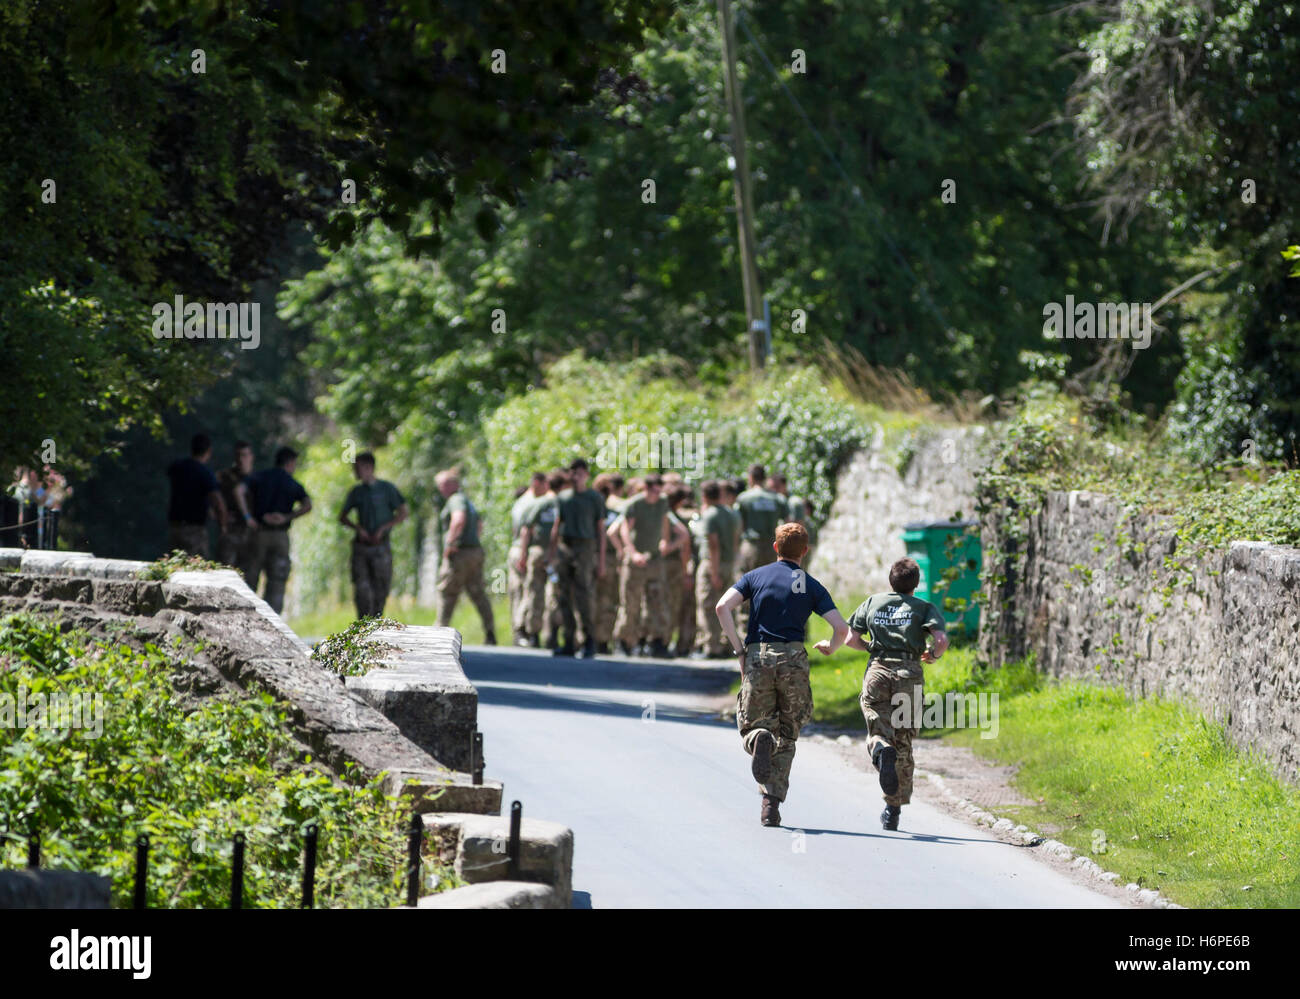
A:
194	491
270	500
775	699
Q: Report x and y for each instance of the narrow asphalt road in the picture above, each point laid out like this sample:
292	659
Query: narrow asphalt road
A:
665	814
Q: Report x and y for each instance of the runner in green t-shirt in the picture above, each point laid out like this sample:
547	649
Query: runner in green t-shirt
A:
893	627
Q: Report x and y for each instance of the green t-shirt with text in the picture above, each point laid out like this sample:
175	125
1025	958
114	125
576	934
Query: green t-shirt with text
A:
647	522
896	623
469	536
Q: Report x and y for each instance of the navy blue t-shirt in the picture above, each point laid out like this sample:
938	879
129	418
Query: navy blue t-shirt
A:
781	598
192	483
273	491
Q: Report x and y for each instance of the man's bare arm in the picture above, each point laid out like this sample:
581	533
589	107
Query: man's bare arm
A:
840	633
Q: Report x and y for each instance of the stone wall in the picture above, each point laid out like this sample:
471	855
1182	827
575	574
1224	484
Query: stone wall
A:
1093	598
245	646
863	535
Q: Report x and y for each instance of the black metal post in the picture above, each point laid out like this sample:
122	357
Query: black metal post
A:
516	819
237	873
476	758
141	869
309	867
415	840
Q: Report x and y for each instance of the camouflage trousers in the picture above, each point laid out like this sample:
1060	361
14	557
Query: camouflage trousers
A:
268	553
515	589
607	601
575	587
680	587
190	538
535	590
234	546
372	576
463	571
776	696
753	554
643	605
709	628
885	683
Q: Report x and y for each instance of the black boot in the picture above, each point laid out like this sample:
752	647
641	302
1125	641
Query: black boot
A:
626	650
771	813
567	648
761	767
589	649
884	759
553	641
889	817
602	648
659	649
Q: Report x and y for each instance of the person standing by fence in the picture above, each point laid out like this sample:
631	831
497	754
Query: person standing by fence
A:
236	532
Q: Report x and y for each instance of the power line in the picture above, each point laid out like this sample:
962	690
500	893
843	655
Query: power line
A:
853	187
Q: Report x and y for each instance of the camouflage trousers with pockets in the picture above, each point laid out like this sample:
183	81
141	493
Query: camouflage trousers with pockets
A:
707	625
607	600
679	584
574	592
775	696
463	571
535	591
643	604
886	683
269	554
372	576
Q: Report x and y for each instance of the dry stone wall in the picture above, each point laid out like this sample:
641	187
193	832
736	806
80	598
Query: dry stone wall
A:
1101	595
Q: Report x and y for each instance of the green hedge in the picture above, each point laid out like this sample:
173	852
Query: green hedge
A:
188	775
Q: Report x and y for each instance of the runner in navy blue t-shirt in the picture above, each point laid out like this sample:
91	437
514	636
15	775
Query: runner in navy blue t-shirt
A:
775	699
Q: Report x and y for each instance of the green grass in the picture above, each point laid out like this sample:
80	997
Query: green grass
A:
465	619
1180	809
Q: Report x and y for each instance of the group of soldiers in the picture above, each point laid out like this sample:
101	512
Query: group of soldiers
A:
254	510
636	565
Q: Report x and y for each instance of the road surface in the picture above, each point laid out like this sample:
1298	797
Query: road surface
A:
664	811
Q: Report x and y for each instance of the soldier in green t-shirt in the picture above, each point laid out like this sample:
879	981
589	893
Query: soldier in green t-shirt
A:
893	627
646	536
577	549
379	508
462	555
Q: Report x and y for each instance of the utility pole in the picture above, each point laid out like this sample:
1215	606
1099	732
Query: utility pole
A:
744	204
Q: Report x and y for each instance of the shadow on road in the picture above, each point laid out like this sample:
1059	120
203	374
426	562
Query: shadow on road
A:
544	699
530	666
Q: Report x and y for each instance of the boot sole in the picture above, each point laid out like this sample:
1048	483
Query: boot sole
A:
761	768
888	771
